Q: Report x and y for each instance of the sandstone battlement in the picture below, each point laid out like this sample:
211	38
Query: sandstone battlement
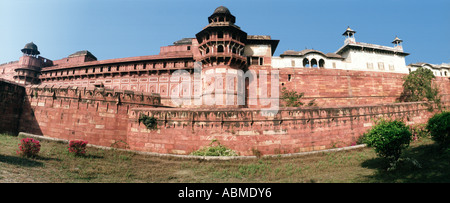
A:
94	94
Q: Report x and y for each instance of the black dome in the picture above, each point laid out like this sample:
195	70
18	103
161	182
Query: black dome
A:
222	10
30	48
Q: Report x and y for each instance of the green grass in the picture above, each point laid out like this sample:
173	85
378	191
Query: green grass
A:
55	164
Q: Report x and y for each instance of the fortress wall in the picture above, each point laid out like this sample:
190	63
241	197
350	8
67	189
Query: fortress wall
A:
332	87
291	130
97	115
329	87
109	117
11	100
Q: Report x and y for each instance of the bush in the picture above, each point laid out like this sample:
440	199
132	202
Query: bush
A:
218	150
77	147
388	138
29	147
150	122
439	128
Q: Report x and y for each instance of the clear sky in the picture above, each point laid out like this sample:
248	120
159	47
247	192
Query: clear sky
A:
124	28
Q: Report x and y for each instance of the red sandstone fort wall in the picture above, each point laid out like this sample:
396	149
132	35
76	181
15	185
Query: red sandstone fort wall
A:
331	87
11	100
108	117
182	131
97	115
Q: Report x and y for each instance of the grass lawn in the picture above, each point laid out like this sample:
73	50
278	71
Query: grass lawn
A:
54	164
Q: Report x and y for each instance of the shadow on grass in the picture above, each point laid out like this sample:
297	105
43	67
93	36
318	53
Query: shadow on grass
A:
434	167
25	162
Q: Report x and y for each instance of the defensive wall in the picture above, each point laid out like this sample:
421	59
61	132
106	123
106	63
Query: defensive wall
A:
11	100
348	102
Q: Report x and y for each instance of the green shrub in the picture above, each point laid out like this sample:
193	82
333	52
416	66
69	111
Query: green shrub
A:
211	150
439	128
388	138
150	122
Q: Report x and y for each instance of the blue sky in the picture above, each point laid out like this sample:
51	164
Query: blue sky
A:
118	28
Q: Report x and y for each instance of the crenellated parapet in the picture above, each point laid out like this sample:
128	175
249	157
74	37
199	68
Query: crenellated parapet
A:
94	94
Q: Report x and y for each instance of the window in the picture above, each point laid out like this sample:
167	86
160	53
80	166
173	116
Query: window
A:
289	77
391	67
334	64
188	47
321	63
306	63
292	63
261	61
314	63
220	34
369	65
381	66
220	49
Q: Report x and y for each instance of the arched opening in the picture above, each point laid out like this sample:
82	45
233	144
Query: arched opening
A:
321	63
234	50
207	50
313	63
220	49
305	63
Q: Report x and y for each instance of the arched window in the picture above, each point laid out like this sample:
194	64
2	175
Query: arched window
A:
220	49
305	63
321	63
314	63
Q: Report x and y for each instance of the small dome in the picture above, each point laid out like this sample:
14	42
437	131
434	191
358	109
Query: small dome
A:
30	48
222	10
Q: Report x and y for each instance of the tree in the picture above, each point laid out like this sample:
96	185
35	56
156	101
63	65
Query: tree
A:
418	86
292	98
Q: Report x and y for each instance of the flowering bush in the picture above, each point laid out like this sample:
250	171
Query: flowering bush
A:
77	147
29	147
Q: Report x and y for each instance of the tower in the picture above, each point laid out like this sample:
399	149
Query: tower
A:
349	36
221	46
30	65
397	43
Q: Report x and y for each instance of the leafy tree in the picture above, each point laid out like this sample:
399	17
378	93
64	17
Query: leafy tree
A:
418	86
292	98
